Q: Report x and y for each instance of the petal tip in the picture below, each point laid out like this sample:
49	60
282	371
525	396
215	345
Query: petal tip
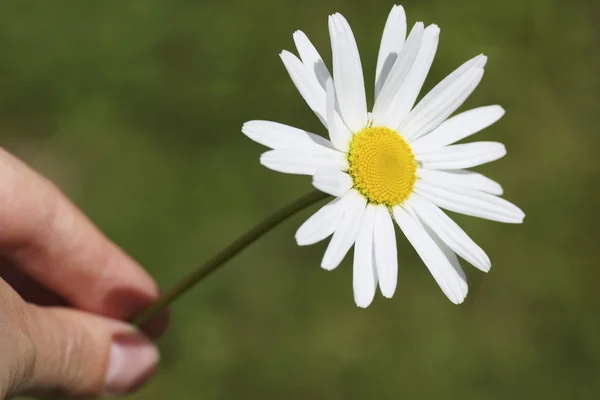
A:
327	266
433	29
299	36
499	110
484	266
300	241
363	302
503	147
336	17
250	124
265	158
397	11
460	298
481	60
387	288
487	263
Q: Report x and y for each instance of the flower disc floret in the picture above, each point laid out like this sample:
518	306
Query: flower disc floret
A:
382	166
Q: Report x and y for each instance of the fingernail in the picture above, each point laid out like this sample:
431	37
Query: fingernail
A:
133	358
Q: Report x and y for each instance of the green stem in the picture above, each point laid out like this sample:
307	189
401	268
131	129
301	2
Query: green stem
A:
227	254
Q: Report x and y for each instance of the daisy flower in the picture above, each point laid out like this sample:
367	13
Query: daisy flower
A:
397	162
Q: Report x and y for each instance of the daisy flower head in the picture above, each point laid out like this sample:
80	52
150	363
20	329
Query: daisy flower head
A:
397	163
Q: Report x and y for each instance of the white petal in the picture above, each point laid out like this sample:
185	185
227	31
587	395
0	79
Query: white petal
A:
475	62
449	232
448	253
385	108
347	230
321	224
364	280
470	202
458	127
386	253
444	273
443	86
333	182
407	94
453	260
280	136
458	156
307	84
347	74
392	40
338	132
440	104
310	58
303	161
461	177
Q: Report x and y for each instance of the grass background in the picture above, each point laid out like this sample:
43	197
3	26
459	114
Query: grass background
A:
134	109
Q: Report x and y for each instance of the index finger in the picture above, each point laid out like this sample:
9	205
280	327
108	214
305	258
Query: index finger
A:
55	244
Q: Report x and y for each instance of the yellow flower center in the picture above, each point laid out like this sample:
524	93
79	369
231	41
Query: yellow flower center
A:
382	166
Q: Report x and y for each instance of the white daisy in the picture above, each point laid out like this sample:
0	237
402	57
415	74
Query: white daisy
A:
397	161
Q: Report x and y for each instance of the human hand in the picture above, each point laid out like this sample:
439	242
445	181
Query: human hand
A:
64	291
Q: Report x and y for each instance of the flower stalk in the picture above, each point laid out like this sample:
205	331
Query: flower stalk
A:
227	254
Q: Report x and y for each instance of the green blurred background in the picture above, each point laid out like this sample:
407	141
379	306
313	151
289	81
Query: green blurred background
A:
134	109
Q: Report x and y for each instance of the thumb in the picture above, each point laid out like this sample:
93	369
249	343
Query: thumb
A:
78	354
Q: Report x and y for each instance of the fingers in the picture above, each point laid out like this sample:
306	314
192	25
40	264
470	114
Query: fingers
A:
79	354
30	290
56	245
66	352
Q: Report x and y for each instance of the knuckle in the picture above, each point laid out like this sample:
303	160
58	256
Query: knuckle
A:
75	348
16	345
63	351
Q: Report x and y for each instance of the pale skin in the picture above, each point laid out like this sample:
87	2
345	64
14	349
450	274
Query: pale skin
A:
65	290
